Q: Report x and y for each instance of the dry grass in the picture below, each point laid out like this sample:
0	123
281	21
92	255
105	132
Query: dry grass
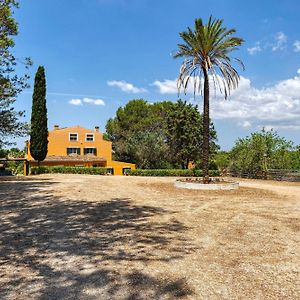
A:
95	237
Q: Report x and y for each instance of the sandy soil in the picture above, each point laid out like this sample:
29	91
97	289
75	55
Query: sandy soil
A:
97	237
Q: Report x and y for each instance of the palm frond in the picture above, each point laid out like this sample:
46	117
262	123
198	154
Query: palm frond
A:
208	47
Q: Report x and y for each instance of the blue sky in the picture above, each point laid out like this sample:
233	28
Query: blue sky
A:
99	54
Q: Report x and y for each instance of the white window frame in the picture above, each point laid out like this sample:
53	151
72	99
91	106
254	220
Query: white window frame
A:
72	147
70	136
95	148
92	134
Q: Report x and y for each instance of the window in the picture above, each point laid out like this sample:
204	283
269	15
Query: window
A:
90	151
73	136
73	151
89	137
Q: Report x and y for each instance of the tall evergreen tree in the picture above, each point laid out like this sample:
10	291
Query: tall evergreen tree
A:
39	128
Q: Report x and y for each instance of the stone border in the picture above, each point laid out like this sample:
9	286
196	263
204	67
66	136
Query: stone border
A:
212	186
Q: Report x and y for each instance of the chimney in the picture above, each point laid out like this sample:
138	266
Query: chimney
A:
97	128
56	127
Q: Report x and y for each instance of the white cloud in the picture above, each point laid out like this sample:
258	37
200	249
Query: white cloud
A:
167	86
280	42
297	46
126	86
245	124
255	49
277	106
94	101
87	100
75	102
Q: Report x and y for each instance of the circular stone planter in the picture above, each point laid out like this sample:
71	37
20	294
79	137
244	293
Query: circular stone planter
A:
215	184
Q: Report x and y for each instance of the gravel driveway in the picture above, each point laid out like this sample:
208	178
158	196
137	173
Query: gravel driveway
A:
110	237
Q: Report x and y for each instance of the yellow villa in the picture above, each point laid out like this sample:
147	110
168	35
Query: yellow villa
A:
80	147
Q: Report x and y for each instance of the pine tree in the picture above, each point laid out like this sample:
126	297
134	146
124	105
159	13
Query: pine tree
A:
39	129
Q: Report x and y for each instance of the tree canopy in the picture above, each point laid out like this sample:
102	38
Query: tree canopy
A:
261	151
185	133
136	126
11	84
157	135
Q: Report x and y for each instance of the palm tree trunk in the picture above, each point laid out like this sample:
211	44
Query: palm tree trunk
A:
205	146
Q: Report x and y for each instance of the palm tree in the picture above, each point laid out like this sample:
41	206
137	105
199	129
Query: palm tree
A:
206	52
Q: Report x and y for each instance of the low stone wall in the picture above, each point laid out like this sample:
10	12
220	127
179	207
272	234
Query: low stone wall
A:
211	186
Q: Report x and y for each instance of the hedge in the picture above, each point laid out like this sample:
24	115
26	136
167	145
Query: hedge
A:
170	172
69	170
105	171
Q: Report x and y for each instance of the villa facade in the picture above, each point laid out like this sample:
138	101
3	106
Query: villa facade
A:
80	147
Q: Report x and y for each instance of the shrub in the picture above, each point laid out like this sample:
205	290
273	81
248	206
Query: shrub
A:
170	172
16	167
69	170
39	170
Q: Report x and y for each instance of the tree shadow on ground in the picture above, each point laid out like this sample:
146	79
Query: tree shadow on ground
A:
58	248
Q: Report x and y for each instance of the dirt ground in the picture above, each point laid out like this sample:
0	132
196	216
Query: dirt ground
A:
111	237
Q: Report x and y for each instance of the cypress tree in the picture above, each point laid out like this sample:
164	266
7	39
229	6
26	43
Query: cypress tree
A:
39	128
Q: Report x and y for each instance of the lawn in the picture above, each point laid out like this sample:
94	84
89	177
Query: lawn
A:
110	237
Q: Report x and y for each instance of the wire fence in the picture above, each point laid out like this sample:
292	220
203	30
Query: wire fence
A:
284	175
271	174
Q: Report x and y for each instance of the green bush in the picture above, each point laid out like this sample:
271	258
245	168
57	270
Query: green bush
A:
170	172
16	167
39	170
20	169
69	170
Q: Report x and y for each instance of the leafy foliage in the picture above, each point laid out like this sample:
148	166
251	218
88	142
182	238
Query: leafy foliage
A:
222	159
11	84
170	172
3	152
184	133
39	129
14	167
151	135
206	52
137	129
261	151
149	149
69	170
294	159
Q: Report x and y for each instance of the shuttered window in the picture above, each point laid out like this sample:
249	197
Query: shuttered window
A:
73	151
90	151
